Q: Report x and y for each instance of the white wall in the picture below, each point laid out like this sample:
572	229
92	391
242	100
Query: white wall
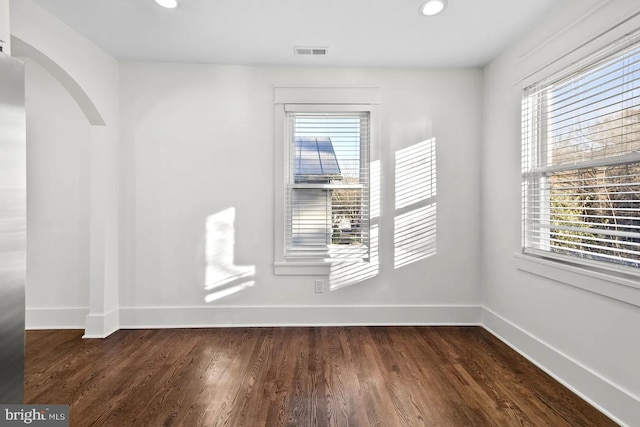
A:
199	139
587	340
58	199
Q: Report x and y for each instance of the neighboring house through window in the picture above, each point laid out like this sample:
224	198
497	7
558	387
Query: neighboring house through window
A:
327	203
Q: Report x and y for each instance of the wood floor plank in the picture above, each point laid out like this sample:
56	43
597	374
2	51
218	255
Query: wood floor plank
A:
328	376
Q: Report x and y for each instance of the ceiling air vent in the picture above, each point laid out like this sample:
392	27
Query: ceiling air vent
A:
308	50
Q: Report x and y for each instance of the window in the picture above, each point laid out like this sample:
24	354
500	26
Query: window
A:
581	162
325	142
327	185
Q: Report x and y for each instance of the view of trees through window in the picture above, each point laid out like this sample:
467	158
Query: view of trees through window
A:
595	213
346	214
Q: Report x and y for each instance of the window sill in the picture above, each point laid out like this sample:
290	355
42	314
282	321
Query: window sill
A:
610	285
301	268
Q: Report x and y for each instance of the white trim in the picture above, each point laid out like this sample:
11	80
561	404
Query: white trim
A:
564	30
279	187
326	95
37	318
606	284
328	108
598	391
249	316
102	325
580	49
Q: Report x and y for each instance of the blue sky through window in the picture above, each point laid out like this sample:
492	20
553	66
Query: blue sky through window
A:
585	110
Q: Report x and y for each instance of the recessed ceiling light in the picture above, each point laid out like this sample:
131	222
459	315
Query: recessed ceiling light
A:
433	7
169	4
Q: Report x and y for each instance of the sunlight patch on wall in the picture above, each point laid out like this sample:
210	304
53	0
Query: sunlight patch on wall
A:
345	274
415	225
222	276
415	235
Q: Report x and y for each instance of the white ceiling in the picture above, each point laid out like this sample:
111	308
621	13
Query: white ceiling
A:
264	32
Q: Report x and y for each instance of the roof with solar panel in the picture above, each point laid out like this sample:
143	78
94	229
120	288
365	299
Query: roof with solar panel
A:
315	160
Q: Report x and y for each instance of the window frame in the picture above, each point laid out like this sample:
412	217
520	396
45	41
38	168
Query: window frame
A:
311	100
599	277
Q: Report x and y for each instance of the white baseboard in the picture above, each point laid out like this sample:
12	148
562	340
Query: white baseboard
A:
202	317
101	325
55	318
604	395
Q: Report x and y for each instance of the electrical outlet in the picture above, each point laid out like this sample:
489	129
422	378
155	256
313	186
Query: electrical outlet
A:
319	286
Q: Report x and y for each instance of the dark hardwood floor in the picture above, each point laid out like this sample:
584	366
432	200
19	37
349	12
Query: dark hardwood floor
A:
328	376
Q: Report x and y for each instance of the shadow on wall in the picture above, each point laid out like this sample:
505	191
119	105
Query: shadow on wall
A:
222	276
415	205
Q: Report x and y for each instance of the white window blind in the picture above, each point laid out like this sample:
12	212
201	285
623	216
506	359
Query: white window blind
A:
581	162
327	186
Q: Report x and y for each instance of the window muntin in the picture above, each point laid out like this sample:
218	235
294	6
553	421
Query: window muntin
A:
327	186
581	163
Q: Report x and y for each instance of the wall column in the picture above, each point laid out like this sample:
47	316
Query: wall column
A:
103	317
